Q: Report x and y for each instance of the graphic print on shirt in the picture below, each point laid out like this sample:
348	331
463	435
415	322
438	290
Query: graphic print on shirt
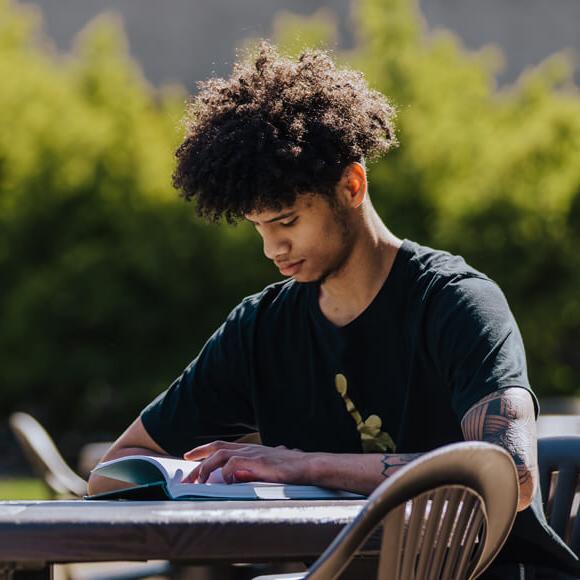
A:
371	436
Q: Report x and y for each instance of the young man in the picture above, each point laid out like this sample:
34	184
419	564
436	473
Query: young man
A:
375	350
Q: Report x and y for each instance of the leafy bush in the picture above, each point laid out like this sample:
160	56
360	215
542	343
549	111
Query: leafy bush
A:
108	285
492	174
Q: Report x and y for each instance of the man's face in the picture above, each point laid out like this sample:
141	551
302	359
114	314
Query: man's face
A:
309	241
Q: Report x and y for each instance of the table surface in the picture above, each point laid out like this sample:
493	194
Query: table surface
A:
181	531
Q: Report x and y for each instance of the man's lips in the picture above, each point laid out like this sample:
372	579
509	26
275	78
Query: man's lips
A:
289	268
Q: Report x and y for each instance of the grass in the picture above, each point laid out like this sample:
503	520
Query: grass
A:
22	488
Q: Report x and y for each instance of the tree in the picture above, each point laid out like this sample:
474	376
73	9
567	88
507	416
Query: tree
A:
109	284
489	173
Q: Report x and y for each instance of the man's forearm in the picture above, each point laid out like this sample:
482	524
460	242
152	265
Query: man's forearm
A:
135	440
356	472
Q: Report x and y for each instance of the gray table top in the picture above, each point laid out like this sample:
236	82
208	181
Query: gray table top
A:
238	531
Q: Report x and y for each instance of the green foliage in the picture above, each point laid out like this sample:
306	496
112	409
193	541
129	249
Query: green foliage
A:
22	489
491	174
108	285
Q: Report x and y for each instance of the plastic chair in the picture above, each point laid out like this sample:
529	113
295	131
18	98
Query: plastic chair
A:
47	462
561	455
446	515
62	481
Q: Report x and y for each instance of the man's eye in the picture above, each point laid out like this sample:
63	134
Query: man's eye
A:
290	223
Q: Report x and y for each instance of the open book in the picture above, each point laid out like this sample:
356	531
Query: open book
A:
161	478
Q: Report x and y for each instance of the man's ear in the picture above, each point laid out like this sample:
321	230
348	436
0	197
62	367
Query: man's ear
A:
353	184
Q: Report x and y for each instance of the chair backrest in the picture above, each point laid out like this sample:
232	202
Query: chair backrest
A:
439	534
44	457
446	515
561	455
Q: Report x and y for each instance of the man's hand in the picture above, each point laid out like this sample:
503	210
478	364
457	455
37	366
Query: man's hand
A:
242	462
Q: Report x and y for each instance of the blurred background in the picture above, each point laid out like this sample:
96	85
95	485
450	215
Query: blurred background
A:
109	284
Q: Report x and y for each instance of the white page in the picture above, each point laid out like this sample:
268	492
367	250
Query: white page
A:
178	469
142	469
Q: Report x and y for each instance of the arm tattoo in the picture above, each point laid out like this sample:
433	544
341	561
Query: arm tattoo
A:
507	419
392	462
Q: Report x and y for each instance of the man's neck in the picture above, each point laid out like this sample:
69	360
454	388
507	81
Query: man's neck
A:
348	292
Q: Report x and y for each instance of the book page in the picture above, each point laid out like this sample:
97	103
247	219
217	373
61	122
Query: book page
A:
143	469
178	469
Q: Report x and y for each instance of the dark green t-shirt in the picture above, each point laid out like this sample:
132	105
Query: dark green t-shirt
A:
437	338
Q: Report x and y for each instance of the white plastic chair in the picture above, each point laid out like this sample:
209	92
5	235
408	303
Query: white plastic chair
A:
446	515
44	457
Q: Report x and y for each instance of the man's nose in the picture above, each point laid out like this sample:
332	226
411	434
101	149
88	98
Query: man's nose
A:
275	246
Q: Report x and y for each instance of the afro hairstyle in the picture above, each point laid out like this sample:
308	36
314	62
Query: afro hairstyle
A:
277	128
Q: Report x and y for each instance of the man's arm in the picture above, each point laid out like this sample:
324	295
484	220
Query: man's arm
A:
507	418
134	441
358	472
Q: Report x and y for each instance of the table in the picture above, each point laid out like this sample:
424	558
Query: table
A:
34	535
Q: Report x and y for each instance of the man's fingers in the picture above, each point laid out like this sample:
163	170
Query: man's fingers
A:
244	476
206	450
192	477
203	451
239	461
239	469
218	459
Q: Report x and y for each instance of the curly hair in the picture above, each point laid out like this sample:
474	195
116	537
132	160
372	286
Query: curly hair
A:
275	129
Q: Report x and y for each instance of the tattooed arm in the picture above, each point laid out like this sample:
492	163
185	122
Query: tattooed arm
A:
507	419
392	462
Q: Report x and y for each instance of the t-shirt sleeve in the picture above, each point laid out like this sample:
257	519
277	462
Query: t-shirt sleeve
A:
475	342
211	399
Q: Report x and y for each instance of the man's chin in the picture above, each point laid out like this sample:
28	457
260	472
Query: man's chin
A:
302	278
305	277
312	279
